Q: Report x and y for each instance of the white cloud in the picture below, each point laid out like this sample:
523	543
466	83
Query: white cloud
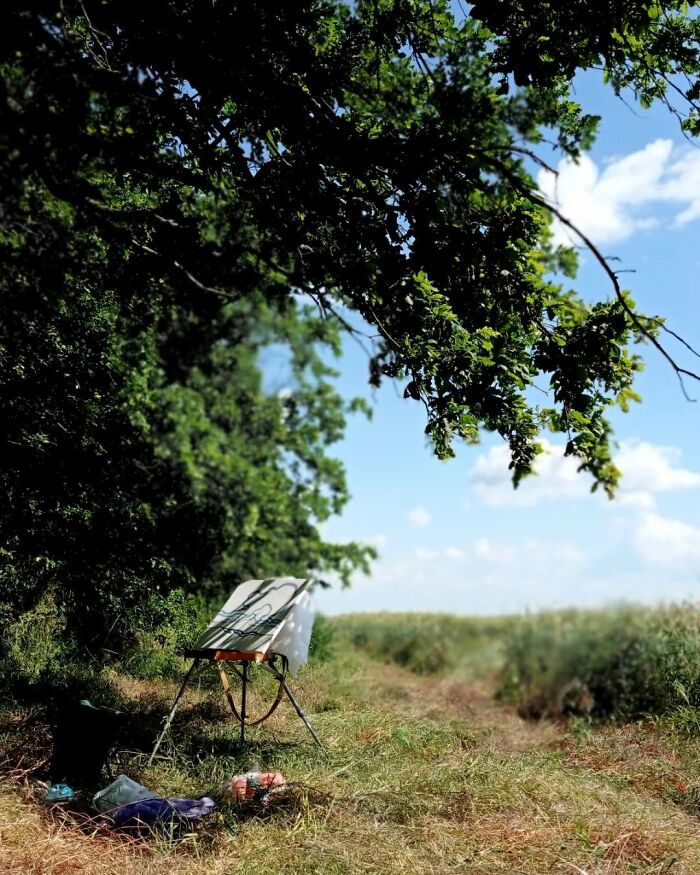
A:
485	553
649	468
483	549
648	558
425	555
646	469
557	478
480	588
379	541
667	542
612	204
493	576
456	554
533	555
419	517
636	498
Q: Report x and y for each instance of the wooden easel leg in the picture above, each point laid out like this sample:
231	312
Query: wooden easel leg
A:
172	712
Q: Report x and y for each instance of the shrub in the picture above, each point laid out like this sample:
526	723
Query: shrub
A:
618	664
169	626
42	664
323	638
34	643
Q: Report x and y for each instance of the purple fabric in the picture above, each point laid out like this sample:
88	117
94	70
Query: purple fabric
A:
159	809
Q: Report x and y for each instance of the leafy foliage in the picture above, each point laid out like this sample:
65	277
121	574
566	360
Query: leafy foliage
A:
176	177
650	47
359	154
142	449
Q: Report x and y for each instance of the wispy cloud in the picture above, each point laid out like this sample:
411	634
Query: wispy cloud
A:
487	553
426	555
419	517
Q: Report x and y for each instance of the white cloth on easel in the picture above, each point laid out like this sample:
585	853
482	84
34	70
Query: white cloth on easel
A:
292	641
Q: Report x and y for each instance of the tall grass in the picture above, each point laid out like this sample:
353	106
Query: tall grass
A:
619	664
428	643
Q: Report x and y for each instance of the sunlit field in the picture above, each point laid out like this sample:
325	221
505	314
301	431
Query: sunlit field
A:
434	759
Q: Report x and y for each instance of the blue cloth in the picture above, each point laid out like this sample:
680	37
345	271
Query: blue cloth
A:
159	809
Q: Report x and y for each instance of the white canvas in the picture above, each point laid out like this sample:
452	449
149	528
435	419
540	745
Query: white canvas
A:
256	616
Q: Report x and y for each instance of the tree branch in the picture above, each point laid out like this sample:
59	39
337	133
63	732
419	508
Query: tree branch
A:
193	279
600	258
602	261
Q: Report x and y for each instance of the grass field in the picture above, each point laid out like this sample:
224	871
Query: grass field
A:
424	771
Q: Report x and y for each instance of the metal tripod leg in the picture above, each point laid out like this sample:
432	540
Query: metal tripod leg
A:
244	683
297	707
172	712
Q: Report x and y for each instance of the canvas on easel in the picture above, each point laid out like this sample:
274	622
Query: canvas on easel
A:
267	622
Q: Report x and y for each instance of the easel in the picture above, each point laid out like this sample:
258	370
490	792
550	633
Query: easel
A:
265	661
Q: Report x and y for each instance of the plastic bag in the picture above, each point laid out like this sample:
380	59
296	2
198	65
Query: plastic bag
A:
121	792
58	793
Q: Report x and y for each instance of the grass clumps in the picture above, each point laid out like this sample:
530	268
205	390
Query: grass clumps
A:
420	772
323	639
428	644
615	664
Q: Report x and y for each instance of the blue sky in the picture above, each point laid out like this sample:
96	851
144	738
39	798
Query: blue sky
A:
454	536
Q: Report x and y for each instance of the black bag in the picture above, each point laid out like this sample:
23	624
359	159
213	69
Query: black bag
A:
82	738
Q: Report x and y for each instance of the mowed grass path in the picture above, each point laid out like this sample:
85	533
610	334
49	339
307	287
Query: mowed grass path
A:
421	774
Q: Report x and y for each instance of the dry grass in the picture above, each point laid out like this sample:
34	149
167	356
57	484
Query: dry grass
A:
637	754
420	775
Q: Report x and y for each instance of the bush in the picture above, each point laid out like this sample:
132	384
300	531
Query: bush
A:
170	626
42	664
34	643
618	664
323	639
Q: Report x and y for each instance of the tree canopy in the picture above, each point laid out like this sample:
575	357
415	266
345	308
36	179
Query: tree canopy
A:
177	176
144	448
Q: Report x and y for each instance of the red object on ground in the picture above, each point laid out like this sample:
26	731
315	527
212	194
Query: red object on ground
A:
255	785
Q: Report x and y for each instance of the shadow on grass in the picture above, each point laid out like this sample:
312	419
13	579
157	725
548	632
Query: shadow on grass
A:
50	736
